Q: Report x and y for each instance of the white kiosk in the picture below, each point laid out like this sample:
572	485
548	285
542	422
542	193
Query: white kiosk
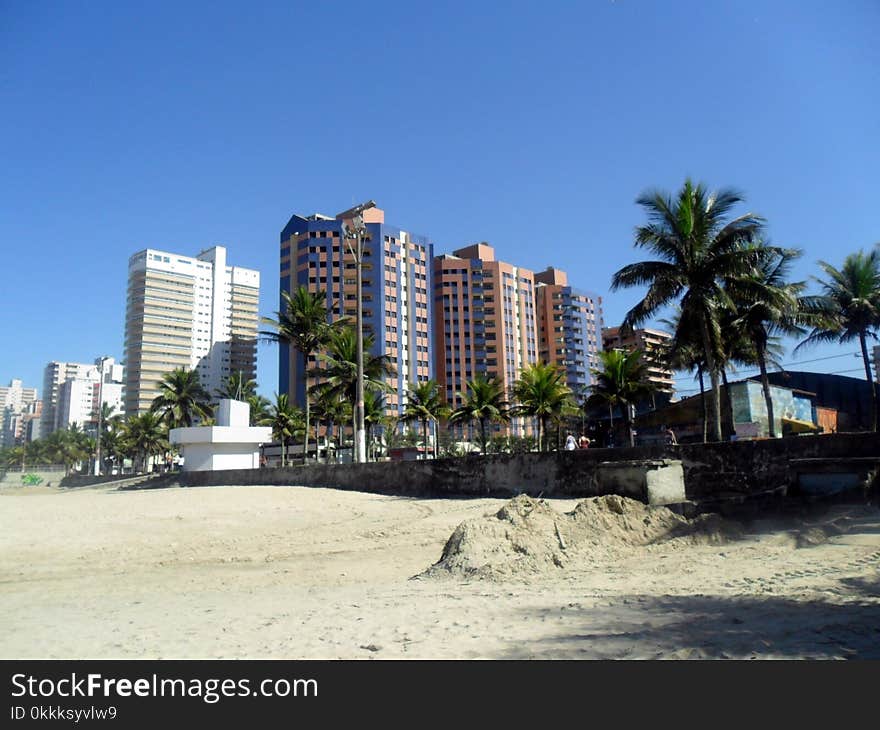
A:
231	444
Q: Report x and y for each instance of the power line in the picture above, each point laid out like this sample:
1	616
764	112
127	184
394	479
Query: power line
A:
836	372
786	364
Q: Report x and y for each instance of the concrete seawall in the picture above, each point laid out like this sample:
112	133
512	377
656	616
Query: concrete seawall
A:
720	471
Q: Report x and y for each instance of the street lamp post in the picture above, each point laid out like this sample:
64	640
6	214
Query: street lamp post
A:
354	232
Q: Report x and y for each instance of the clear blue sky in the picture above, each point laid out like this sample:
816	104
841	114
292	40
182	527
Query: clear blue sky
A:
533	126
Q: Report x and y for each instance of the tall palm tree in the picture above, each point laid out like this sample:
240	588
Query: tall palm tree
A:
339	366
622	382
541	392
424	404
699	248
685	352
182	399
850	309
485	402
734	349
768	306
302	323
286	421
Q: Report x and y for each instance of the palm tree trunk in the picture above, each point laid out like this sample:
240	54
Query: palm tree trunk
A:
765	385
425	438
627	424
483	446
875	418
703	402
728	399
306	445
715	400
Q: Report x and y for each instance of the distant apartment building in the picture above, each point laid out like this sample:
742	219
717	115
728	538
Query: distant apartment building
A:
649	341
396	294
30	423
78	398
197	313
55	374
16	404
485	320
569	328
71	392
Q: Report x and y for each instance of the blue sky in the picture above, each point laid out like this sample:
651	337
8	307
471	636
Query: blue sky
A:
533	126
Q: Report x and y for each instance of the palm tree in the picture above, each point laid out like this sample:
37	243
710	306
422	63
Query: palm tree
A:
145	435
181	399
109	415
484	402
734	349
286	421
333	411
622	382
699	249
770	306
424	404
374	415
850	308
685	352
13	456
70	446
541	392
259	408
339	367
112	443
237	387
303	324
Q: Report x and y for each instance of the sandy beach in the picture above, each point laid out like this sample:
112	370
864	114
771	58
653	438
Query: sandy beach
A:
289	572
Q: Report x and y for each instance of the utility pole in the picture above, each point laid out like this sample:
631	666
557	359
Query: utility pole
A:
100	413
354	232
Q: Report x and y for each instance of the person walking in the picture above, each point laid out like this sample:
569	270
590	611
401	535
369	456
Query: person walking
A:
584	442
570	444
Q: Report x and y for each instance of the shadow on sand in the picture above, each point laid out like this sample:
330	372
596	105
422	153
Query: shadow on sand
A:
718	627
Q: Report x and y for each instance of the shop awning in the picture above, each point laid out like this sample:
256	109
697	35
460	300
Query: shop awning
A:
798	426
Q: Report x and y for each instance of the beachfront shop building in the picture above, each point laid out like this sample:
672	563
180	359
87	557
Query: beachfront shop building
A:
743	415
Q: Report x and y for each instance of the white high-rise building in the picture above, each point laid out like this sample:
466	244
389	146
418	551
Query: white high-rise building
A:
16	402
196	313
54	375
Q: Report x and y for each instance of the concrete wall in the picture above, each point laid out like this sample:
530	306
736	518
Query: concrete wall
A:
711	472
46	477
559	474
752	468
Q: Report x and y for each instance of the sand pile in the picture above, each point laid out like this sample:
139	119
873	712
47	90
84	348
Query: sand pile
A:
527	536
